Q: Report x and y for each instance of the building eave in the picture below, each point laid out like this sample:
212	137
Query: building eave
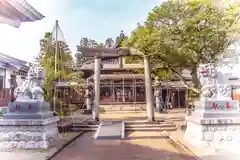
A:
13	63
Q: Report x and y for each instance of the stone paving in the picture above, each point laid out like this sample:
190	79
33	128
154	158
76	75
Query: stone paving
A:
137	146
177	116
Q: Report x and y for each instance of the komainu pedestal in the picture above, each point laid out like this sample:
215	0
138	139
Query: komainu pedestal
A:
28	122
28	133
215	123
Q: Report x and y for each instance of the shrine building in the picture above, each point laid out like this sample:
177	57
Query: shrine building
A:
120	85
12	73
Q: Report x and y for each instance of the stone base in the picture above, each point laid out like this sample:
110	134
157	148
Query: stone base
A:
28	109
216	134
28	133
205	109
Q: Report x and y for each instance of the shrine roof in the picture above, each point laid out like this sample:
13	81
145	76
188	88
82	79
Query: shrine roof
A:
103	52
175	84
105	66
108	52
119	76
7	61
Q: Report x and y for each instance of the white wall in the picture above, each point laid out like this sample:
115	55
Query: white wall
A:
7	78
19	80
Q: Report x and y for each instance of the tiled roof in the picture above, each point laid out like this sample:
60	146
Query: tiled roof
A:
11	62
14	12
119	76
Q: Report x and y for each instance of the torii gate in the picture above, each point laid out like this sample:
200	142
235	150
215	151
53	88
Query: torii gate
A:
111	53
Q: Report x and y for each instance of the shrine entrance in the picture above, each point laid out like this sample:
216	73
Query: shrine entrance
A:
121	89
119	92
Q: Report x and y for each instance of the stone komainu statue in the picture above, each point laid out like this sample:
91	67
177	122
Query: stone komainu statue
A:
215	81
32	87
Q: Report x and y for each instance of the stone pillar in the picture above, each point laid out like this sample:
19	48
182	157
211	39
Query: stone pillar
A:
88	100
120	62
148	89
97	67
157	94
158	101
123	61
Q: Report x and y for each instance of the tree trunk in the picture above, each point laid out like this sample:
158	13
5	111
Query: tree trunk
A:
194	75
196	87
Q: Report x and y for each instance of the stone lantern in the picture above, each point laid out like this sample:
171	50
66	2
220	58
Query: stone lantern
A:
157	94
88	96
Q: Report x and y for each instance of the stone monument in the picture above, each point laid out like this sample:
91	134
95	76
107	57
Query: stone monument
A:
28	122
215	123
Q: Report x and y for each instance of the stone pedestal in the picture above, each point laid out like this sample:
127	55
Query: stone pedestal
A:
28	133
28	124
28	109
215	124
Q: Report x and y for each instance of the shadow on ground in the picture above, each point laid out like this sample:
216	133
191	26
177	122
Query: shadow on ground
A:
84	148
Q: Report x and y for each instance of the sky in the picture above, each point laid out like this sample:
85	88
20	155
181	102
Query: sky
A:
95	19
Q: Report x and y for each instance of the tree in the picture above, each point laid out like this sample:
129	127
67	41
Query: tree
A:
88	43
55	57
109	43
182	34
120	39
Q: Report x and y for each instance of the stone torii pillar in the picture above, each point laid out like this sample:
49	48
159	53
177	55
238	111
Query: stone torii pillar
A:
96	105
148	88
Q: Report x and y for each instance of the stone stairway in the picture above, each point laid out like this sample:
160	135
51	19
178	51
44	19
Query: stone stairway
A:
135	125
122	108
146	126
85	126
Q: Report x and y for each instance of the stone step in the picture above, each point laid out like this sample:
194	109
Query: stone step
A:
144	121
111	109
84	126
83	129
150	125
121	111
127	128
159	129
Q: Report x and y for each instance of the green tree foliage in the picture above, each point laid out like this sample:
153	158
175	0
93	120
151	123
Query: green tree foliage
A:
182	34
120	39
109	43
88	43
55	58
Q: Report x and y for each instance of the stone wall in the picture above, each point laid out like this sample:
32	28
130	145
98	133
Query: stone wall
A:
221	136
